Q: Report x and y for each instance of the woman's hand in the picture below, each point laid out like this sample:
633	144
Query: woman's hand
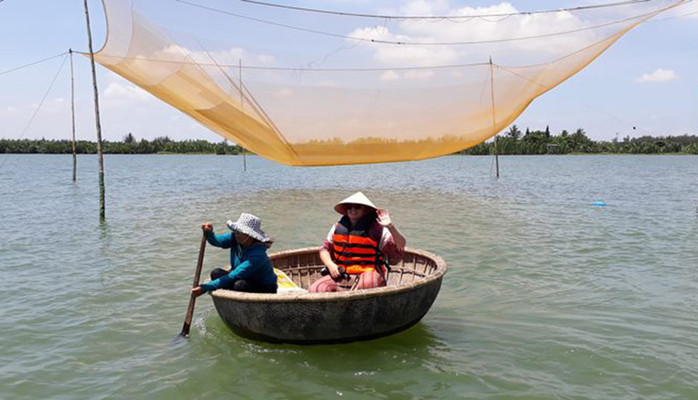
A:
387	223
207	227
332	267
334	272
197	291
384	217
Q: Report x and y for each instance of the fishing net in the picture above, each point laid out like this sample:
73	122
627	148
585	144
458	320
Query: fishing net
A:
319	87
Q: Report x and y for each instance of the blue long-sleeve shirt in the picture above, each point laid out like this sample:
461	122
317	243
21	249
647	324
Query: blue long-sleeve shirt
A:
251	263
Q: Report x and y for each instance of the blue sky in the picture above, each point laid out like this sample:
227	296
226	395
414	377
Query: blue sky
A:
647	83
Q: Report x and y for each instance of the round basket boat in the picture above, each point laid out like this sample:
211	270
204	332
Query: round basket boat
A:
308	318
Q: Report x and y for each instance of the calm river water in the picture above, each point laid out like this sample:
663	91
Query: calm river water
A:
547	296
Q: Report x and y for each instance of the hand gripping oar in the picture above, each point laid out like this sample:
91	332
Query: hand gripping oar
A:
192	299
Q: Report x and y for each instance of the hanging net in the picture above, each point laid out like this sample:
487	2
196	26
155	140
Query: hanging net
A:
322	87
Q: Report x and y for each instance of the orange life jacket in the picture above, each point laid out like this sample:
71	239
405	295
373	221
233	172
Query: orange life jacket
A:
354	250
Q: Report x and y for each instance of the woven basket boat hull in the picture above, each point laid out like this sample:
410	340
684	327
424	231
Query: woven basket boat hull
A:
309	318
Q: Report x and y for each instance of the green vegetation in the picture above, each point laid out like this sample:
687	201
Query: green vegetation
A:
128	146
514	141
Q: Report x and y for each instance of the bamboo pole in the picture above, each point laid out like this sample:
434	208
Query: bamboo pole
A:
72	112
496	150
496	154
100	157
242	107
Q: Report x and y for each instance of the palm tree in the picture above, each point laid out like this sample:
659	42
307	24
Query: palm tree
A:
514	132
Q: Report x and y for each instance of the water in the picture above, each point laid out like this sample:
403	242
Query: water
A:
547	295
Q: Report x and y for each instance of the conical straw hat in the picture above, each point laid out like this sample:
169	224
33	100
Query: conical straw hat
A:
356	198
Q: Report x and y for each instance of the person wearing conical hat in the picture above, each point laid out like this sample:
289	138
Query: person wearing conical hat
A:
359	247
250	269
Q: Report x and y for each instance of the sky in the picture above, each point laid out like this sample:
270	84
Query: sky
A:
645	84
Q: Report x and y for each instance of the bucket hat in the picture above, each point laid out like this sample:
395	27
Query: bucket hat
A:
250	225
356	198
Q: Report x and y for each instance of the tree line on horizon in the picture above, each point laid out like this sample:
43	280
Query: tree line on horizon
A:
511	142
129	145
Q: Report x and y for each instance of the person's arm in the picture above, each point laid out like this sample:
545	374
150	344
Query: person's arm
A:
256	259
240	272
326	255
386	222
326	258
225	241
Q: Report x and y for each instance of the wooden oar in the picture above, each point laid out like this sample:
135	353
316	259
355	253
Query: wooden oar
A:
192	299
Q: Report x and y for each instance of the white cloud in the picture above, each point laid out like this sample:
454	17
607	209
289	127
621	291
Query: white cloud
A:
498	29
491	35
660	75
405	55
418	75
282	93
229	57
390	75
118	92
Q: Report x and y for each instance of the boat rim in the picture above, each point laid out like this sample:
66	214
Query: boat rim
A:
307	297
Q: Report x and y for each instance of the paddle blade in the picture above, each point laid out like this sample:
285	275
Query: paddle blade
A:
179	338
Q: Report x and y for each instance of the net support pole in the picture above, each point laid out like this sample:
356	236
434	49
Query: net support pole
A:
496	155
242	107
72	113
494	119
100	156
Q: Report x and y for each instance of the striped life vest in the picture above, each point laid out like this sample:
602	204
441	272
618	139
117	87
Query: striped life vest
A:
354	250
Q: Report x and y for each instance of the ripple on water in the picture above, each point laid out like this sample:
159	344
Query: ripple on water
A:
546	296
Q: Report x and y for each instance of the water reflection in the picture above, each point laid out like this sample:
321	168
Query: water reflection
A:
376	367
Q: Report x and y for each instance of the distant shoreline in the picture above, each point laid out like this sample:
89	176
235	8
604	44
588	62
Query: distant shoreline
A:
510	142
454	154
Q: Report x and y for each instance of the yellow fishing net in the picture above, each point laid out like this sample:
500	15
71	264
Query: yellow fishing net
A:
318	88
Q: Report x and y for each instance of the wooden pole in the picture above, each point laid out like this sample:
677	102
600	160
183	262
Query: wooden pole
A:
100	156
192	298
494	120
242	107
496	155
72	112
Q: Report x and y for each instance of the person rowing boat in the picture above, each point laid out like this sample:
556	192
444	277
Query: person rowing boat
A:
250	269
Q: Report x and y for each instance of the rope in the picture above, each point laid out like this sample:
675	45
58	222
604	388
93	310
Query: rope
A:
675	17
449	17
32	63
391	42
299	69
43	99
595	109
